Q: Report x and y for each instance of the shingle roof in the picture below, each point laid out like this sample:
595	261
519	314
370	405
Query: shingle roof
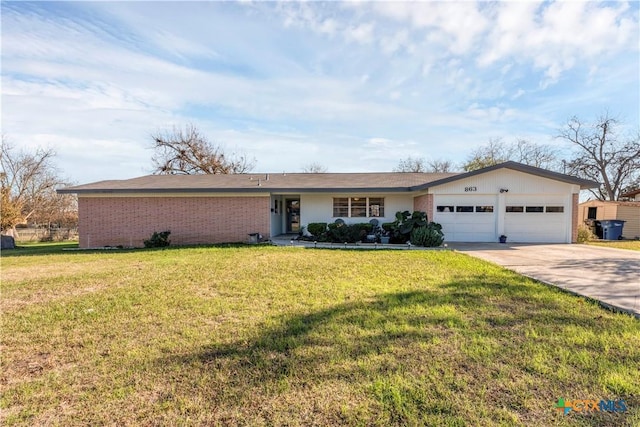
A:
303	182
273	182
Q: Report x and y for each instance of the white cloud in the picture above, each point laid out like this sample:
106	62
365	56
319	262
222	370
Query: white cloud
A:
361	33
559	36
372	81
395	42
458	24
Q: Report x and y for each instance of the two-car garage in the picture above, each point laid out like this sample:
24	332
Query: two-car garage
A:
526	207
523	218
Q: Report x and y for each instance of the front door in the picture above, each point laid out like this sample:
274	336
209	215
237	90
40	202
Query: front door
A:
293	215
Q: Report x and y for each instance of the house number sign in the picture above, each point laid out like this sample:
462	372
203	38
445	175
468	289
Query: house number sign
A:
468	189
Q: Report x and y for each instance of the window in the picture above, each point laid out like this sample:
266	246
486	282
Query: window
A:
464	208
515	209
592	213
484	208
376	206
358	207
555	209
340	206
444	208
535	209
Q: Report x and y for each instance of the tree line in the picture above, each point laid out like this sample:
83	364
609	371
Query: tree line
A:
28	182
599	152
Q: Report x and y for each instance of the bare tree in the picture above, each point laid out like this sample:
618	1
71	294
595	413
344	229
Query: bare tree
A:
493	153
28	182
188	152
440	166
497	151
602	155
314	167
10	210
538	155
411	165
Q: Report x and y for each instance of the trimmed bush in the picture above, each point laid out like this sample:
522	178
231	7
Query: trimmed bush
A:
158	240
387	226
339	233
317	228
348	233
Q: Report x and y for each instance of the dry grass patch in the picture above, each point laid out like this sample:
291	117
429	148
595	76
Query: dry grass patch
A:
632	245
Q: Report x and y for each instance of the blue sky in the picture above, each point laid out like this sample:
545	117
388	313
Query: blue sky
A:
352	86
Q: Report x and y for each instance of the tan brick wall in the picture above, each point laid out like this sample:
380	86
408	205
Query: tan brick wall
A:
574	218
128	221
424	203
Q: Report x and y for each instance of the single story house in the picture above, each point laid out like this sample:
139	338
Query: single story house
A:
525	203
603	210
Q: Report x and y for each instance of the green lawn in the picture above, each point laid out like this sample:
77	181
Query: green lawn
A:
291	336
633	245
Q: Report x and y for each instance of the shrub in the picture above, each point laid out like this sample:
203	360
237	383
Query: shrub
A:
158	240
585	234
339	232
387	226
317	228
348	233
404	224
430	235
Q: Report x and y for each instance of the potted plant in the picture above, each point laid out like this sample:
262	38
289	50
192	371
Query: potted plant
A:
503	238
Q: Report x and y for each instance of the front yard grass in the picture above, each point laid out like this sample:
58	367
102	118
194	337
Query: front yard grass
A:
633	245
291	336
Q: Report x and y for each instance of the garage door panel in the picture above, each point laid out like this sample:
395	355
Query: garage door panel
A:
466	226
535	227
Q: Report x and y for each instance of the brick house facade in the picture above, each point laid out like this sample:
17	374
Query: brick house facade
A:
202	209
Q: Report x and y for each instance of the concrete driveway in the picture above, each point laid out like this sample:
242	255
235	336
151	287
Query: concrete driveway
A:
609	275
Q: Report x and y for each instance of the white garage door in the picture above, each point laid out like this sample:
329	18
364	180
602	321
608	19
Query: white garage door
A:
467	218
542	219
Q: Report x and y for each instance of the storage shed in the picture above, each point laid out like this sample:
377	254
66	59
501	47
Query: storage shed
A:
602	210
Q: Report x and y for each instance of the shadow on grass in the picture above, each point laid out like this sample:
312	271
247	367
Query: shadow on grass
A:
409	352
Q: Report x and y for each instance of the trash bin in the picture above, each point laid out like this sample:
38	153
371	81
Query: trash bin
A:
611	229
597	229
254	237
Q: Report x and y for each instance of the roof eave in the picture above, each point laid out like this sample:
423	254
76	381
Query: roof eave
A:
584	183
81	191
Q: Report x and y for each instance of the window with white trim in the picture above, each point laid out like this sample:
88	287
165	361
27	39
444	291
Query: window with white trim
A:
354	207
